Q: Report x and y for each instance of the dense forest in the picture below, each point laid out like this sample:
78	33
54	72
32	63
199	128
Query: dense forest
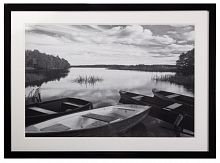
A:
185	63
41	67
37	60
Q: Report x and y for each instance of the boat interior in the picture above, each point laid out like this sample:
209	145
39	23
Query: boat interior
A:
54	106
179	97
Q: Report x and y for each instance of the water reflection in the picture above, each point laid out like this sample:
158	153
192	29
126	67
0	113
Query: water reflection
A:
79	83
87	80
37	78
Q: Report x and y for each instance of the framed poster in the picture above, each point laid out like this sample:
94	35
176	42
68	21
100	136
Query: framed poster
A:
110	81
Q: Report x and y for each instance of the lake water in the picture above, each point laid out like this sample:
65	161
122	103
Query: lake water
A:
101	86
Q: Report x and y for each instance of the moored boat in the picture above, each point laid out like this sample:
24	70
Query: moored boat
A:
174	97
106	121
39	112
177	114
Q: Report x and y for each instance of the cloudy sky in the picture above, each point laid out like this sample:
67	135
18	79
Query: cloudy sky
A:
111	44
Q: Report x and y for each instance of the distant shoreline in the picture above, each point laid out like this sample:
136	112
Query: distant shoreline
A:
32	69
149	68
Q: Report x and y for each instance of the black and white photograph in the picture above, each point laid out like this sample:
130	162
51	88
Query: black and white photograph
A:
111	80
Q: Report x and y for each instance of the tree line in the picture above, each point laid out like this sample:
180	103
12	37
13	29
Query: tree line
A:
43	61
185	63
140	67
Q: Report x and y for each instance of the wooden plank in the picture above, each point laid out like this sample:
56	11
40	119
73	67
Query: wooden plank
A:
172	96
42	110
103	118
126	109
56	128
174	106
139	97
72	104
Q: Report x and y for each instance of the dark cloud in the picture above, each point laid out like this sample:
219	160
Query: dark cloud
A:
85	27
159	29
176	32
51	33
111	26
124	33
43	32
162	56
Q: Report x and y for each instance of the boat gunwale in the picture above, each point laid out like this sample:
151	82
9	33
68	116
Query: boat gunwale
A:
56	100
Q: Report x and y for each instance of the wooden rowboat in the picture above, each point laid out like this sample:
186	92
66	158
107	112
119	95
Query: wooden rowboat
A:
39	112
177	114
174	97
106	121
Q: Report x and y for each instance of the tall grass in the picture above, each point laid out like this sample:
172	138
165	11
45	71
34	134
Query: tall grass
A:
187	81
87	80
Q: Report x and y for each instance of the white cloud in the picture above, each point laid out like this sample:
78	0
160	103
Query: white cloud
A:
136	35
165	39
188	28
180	48
172	32
179	25
190	36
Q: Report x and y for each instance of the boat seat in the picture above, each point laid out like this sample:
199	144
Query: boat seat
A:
72	104
56	128
41	110
103	118
139	97
173	106
31	128
172	96
188	132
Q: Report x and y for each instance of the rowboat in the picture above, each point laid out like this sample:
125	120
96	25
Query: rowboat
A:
177	114
106	121
39	112
174	97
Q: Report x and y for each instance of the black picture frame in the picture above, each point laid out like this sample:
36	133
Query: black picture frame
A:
211	8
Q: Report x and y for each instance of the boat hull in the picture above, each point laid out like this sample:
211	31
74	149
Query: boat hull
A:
56	106
108	130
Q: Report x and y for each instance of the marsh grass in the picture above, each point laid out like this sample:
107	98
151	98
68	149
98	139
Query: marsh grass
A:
92	80
187	81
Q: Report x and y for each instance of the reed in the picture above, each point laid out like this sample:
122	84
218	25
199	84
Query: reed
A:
87	80
187	81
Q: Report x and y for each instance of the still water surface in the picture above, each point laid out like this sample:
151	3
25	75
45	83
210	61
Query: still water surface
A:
101	86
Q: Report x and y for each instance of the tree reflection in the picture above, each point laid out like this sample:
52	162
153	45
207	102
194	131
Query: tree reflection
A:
37	78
